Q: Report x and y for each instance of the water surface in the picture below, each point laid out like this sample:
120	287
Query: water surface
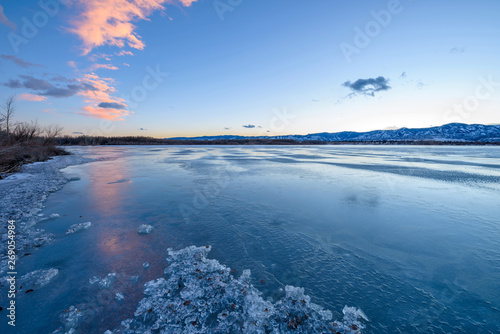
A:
410	235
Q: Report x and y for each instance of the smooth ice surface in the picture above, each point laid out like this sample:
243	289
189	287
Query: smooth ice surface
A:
409	235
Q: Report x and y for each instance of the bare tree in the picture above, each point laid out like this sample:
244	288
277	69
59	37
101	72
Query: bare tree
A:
51	132
24	131
8	111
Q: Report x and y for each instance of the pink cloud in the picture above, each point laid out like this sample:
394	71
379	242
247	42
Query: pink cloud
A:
104	66
102	95
6	21
31	97
109	22
49	111
187	3
124	53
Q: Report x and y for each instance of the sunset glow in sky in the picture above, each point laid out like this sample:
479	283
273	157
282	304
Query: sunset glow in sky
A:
167	68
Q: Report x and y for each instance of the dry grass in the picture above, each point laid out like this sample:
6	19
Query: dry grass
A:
12	157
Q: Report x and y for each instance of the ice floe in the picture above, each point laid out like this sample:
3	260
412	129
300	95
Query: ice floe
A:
78	227
145	229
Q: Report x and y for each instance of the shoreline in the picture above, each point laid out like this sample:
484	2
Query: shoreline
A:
288	142
23	195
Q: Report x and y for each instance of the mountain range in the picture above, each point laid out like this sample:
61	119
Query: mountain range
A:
455	132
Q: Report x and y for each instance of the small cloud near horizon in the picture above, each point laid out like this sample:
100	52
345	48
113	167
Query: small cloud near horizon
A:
457	49
78	133
142	129
368	86
249	126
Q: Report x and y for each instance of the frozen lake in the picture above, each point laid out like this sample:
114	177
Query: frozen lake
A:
410	235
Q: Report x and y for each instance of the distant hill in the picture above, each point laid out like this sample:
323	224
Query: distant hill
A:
454	132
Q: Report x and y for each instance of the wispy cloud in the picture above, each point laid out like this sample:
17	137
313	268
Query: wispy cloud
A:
6	21
31	97
187	3
103	66
97	93
124	53
46	88
18	61
110	22
33	83
368	86
13	83
51	111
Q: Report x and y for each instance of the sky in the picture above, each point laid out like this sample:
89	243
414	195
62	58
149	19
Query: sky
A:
169	68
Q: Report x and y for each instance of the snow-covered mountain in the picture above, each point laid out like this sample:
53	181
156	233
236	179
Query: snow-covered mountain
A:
449	132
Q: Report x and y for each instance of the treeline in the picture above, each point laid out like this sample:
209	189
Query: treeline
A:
136	140
24	142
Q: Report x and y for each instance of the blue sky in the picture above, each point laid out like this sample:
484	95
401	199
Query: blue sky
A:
275	67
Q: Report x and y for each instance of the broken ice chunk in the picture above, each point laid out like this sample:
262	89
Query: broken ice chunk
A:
145	229
78	227
71	318
105	282
39	277
199	295
119	296
108	280
145	265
